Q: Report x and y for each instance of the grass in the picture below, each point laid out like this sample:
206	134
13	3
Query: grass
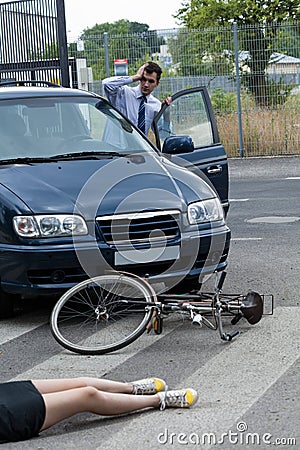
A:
265	131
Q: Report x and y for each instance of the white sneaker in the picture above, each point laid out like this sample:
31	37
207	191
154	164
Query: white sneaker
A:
180	398
148	386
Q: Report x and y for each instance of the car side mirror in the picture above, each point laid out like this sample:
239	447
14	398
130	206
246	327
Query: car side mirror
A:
178	144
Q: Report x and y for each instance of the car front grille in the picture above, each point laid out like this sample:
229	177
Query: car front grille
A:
140	228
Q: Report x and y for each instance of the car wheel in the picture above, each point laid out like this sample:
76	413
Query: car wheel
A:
6	305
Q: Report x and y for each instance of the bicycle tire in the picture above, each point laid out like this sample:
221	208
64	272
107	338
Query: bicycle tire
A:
98	315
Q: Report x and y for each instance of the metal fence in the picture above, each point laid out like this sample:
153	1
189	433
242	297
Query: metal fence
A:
33	41
252	72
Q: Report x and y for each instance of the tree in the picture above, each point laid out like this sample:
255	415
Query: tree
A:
260	22
200	52
197	13
130	40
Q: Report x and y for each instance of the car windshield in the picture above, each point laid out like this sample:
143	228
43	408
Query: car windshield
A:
65	127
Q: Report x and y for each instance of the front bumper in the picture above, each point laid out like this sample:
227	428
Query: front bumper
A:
44	270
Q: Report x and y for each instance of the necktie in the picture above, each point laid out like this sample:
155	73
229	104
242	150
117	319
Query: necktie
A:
141	115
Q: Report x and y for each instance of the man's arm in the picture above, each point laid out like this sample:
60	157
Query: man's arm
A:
112	85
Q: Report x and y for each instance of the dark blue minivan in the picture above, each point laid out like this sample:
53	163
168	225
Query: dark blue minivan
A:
83	192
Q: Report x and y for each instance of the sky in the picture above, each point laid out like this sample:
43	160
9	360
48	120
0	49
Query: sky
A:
81	14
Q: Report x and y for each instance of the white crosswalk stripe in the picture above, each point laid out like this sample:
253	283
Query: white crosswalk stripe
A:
95	365
229	384
12	329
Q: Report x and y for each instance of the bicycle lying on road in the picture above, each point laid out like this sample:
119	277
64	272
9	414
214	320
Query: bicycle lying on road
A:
108	312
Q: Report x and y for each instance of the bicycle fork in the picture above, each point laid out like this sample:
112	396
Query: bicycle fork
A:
219	309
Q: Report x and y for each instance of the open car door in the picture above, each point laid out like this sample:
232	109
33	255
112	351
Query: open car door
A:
187	131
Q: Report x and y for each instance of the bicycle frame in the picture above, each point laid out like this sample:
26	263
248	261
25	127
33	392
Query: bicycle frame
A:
108	312
249	306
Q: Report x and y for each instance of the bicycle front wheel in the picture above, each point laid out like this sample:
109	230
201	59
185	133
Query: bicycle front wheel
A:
102	314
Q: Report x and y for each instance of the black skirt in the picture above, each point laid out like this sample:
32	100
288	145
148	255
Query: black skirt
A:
22	411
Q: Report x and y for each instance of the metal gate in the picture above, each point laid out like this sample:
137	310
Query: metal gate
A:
33	42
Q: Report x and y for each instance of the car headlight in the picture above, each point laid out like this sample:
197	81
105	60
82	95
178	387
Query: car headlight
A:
49	225
205	211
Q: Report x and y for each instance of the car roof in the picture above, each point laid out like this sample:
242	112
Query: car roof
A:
13	92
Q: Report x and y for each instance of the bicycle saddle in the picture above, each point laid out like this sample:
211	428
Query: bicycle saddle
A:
252	307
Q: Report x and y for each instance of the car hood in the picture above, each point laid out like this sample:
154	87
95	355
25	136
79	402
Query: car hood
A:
103	186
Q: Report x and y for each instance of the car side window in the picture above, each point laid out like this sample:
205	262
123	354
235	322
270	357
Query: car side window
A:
187	115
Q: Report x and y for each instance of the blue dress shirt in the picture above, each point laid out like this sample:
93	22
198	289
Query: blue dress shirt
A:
127	99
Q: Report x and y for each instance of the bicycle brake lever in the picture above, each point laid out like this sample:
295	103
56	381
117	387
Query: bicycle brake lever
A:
236	319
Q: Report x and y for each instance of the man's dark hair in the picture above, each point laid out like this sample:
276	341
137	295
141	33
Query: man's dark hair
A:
153	67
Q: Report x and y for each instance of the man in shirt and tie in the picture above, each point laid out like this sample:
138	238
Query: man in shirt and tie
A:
137	103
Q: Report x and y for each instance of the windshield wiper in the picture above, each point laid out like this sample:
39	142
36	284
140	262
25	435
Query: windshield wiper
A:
66	156
90	154
26	160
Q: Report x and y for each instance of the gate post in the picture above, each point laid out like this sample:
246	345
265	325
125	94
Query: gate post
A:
62	41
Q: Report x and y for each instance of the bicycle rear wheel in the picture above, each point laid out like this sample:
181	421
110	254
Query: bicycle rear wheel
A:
102	314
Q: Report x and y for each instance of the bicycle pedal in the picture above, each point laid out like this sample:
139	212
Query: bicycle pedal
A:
229	336
157	323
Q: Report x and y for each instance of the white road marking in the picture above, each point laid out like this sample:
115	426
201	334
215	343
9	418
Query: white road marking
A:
247	239
13	328
273	219
274	345
228	384
62	365
238	200
292	178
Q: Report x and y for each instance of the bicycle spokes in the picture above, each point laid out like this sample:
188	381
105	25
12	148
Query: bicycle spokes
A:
108	312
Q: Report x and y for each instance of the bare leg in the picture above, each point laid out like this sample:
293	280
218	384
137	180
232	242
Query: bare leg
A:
58	385
61	405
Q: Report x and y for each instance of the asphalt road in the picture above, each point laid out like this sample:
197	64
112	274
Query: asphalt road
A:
249	395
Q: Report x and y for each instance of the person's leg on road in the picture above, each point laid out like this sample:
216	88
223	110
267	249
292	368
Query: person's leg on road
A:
64	404
64	384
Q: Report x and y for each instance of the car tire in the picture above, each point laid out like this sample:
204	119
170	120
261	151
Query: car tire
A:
6	305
